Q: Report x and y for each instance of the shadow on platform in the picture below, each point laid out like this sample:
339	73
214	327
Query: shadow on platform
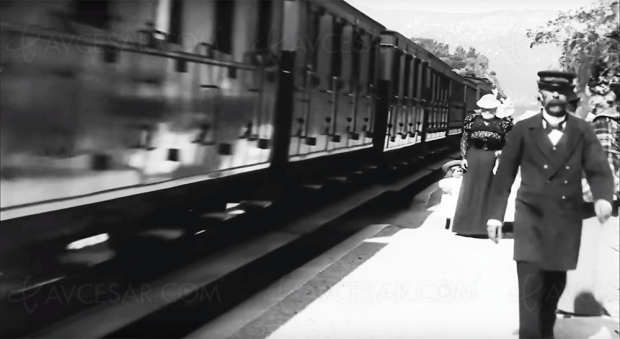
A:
586	328
585	304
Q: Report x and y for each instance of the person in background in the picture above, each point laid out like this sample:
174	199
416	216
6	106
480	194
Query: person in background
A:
605	119
596	262
552	149
573	103
484	136
450	185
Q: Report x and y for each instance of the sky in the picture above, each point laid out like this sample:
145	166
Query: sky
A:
470	6
515	63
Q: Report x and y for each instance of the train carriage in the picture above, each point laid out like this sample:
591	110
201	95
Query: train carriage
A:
471	98
149	104
425	99
151	113
168	90
403	74
334	80
483	86
329	62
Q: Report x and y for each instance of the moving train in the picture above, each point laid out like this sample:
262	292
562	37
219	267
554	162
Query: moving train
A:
117	112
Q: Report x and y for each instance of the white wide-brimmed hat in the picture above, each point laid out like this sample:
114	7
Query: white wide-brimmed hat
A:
447	166
488	102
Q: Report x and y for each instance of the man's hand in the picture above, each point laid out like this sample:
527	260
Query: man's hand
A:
498	153
464	164
494	230
602	208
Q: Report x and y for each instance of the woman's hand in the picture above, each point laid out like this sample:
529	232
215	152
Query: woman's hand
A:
498	153
464	164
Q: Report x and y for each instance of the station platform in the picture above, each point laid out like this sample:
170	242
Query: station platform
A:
422	282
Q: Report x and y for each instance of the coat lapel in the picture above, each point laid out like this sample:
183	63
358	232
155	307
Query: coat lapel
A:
566	146
541	139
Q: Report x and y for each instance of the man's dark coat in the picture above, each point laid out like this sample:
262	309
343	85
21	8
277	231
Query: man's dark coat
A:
548	219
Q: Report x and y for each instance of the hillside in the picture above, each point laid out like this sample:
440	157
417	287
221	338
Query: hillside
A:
499	35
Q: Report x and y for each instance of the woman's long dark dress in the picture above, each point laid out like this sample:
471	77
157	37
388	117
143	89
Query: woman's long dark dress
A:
481	139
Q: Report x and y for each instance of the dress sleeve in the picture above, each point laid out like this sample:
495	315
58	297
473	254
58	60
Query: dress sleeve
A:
464	143
504	178
467	126
507	124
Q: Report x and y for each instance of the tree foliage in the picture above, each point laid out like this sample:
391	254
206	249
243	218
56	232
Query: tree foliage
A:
585	36
437	48
463	62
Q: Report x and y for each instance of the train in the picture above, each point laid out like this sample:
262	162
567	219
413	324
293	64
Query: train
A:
115	114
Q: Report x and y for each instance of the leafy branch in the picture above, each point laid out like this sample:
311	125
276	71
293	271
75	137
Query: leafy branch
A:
584	36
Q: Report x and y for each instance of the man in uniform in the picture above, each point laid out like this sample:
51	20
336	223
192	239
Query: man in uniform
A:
553	149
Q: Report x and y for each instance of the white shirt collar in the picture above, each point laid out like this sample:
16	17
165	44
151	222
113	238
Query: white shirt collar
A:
551	119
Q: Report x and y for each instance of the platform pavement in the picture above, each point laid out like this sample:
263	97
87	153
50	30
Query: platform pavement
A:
429	283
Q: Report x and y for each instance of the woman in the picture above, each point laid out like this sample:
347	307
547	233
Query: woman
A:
484	136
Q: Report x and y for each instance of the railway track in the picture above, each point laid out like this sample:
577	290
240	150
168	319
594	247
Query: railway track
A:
143	288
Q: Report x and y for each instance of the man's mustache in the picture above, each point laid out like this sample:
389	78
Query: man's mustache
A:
557	102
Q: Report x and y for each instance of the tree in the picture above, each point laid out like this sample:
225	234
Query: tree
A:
460	51
471	60
437	48
472	53
584	36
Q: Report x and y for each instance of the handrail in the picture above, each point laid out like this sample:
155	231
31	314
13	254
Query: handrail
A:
127	47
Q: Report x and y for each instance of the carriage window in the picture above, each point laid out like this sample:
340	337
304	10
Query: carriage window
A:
457	92
411	76
444	84
264	23
438	88
441	88
407	75
426	88
396	71
174	33
224	16
372	61
435	81
314	29
336	66
358	47
416	77
433	87
94	13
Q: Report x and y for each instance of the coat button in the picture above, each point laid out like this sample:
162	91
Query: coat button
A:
554	148
563	198
567	167
565	182
545	167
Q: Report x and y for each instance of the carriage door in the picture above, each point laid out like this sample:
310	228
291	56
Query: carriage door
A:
395	97
418	111
357	79
305	124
